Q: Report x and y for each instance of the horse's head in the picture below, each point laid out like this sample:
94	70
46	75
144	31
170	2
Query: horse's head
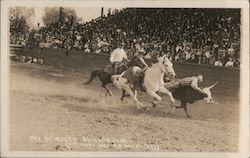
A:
166	66
207	91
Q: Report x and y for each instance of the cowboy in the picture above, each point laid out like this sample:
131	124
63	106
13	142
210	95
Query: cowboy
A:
188	81
117	56
135	74
139	56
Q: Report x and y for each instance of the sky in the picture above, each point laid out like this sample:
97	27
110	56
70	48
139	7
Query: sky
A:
86	14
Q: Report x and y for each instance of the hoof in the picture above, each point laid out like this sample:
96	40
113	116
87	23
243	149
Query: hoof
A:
124	101
154	104
188	116
146	109
108	94
141	109
173	107
172	102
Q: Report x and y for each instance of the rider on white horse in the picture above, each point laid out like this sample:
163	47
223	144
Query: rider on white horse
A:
117	56
152	81
140	55
134	74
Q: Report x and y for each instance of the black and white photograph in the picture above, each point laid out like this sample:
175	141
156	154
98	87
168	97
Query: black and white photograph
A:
114	78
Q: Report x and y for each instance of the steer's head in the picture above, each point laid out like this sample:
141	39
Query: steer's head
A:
207	91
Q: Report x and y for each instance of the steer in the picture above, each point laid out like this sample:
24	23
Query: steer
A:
189	95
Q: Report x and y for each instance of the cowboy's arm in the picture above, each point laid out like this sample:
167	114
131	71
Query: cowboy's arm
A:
173	84
194	85
111	59
125	55
144	63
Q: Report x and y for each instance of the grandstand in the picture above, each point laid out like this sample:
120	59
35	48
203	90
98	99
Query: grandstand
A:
202	36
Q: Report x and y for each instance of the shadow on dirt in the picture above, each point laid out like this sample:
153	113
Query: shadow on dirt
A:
90	106
67	98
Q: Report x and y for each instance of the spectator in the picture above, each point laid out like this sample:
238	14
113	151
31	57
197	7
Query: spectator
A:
212	60
205	60
237	62
193	58
205	32
218	63
230	62
199	60
231	52
187	54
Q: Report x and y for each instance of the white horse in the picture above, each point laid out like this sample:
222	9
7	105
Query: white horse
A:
153	81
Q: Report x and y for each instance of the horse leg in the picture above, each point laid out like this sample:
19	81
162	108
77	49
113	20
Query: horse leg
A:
154	102
94	73
145	108
155	96
133	96
165	91
107	89
135	91
123	94
178	107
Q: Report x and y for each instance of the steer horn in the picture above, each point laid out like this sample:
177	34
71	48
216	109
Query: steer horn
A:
213	85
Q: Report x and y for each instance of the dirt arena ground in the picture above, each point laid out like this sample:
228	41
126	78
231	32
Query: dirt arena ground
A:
51	110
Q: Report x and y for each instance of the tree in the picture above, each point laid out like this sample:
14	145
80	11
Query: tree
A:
54	14
20	22
20	18
51	15
18	25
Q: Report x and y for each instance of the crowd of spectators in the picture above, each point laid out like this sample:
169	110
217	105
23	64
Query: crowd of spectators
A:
202	36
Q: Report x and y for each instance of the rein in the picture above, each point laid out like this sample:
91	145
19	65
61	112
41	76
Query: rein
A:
166	71
162	69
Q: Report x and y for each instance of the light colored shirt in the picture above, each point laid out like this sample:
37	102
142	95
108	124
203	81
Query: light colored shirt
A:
188	55
230	64
118	55
102	43
218	63
207	54
190	81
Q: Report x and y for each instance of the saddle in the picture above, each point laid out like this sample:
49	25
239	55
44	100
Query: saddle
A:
138	83
111	68
135	80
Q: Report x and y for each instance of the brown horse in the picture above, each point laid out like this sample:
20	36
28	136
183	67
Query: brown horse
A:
105	74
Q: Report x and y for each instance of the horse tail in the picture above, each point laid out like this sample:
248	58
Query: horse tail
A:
94	73
115	79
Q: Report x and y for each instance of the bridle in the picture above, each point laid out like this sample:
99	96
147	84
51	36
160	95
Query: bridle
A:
166	70
161	68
